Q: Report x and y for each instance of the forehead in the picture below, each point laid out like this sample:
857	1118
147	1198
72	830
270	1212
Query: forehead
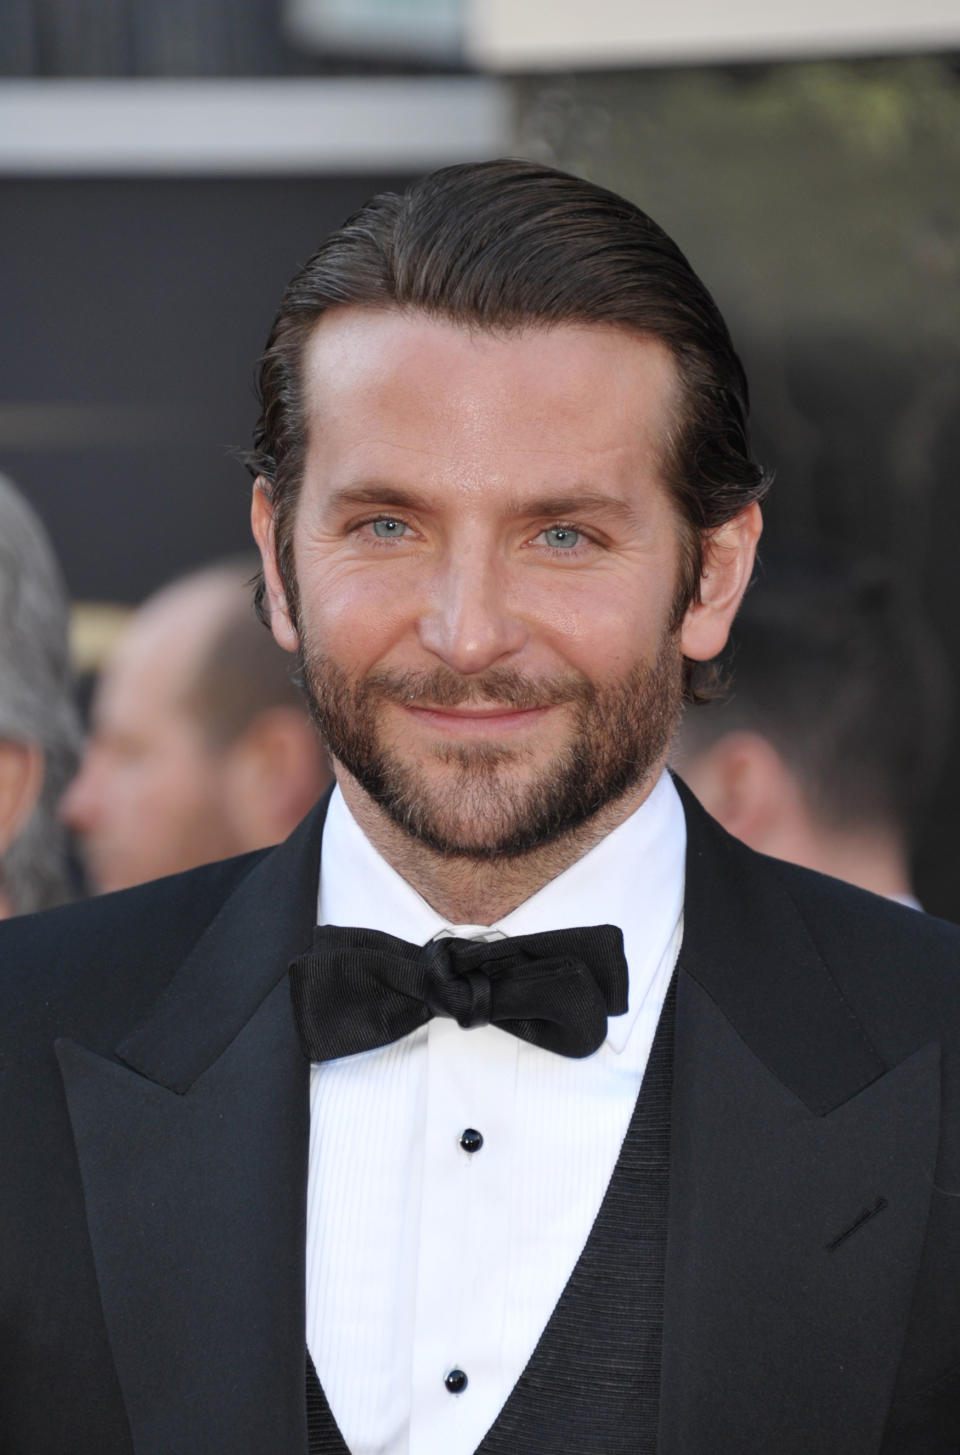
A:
562	396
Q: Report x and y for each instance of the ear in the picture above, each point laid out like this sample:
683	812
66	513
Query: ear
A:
729	554
742	781
277	770
262	523
21	779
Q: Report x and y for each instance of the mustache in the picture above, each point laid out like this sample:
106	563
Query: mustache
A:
505	686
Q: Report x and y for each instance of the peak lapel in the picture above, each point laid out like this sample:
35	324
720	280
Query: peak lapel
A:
800	1180
193	1150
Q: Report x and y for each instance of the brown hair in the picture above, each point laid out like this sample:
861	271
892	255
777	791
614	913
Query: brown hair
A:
501	245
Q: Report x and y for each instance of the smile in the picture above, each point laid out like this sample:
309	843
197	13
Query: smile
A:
492	720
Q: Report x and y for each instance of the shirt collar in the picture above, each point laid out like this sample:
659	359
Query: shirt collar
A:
633	878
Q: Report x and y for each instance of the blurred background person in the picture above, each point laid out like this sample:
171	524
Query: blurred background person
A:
831	733
39	726
200	747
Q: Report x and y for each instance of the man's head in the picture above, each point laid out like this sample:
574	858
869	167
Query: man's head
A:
829	740
200	747
39	729
501	354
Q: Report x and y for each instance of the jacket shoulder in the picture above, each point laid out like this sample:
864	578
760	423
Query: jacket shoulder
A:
90	969
898	967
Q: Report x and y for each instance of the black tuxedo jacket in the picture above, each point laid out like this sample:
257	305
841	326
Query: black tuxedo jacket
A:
153	1135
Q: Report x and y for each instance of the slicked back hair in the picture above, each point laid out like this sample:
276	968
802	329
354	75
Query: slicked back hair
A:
505	245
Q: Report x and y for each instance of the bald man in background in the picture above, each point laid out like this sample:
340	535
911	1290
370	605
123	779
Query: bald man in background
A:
200	746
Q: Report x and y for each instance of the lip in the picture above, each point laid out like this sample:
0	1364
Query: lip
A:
478	721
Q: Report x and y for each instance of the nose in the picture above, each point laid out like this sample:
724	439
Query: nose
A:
469	621
78	805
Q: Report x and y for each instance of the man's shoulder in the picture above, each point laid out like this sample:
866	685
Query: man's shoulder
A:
97	964
862	920
898	968
851	918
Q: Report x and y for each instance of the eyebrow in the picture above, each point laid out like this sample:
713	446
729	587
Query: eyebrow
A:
553	506
576	503
376	494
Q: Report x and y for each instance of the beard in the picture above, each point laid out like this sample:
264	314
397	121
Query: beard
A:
495	799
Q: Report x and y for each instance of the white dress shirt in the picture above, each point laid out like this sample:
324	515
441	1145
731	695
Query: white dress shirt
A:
421	1257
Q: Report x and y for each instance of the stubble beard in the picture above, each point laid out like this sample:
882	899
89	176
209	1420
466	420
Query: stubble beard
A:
486	806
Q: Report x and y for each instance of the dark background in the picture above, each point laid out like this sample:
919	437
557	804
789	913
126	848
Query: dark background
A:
134	312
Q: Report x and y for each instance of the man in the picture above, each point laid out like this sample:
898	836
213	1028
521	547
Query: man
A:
39	730
828	742
200	747
519	1177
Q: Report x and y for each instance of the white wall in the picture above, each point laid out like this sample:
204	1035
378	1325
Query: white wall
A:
553	34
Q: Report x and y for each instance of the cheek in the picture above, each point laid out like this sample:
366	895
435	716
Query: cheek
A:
178	772
163	789
605	629
354	612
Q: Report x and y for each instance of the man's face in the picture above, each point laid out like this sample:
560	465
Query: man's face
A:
150	798
487	565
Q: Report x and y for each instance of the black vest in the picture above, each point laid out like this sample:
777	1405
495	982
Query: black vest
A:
593	1381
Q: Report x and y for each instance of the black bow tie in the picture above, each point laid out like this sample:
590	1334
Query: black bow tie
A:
358	989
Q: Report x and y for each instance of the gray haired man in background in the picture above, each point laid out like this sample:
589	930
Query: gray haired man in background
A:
39	727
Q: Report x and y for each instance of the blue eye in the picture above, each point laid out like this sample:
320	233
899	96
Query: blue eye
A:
561	537
388	529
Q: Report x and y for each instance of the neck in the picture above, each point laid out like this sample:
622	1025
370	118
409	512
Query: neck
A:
875	862
466	890
872	859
